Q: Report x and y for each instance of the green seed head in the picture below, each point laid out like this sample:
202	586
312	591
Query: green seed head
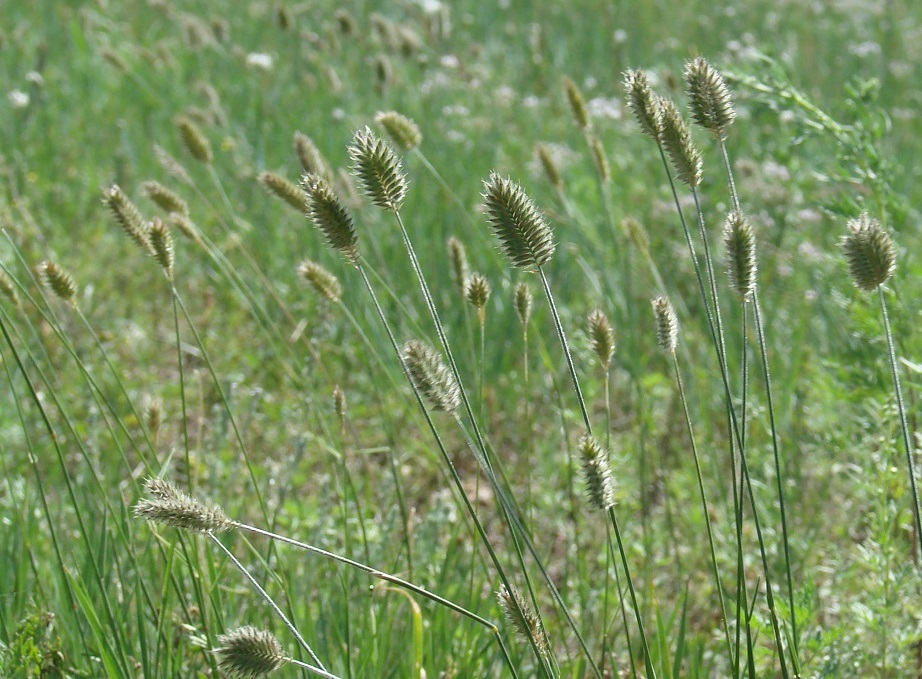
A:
523	301
378	170
869	252
477	292
601	337
601	159
285	190
676	138
524	235
128	217
577	104
667	325
8	290
249	653
329	215
324	283
165	198
312	161
740	243
430	376
642	102
59	281
521	617
597	473
172	507
458	257
194	140
709	97
161	241
551	171
402	131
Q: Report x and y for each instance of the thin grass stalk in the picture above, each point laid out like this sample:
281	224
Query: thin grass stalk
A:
742	595
612	559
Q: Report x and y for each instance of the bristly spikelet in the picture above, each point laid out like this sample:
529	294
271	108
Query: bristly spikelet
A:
477	292
185	226
458	258
601	337
523	301
329	215
402	131
161	241
345	22
58	281
642	102
601	159
676	138
524	235
384	73
577	104
339	402
249	653
521	617
740	243
597	473
171	165
312	161
128	216
709	97
153	415
667	325
285	190
430	376
172	507
869	252
378	170
165	198
194	140
324	283
8	290
549	165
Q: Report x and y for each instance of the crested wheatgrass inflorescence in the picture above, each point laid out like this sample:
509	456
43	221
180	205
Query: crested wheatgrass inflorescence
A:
522	298
329	215
457	255
128	216
676	138
577	104
59	281
324	282
709	97
667	325
524	235
312	161
185	226
194	140
740	243
869	252
249	653
521	617
8	290
549	165
477	291
165	198
601	159
161	242
172	507
283	189
601	337
431	377
402	131
171	165
642	102
378	170
597	473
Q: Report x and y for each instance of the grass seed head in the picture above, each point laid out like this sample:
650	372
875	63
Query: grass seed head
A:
312	161
339	402
249	653
58	281
8	290
601	158
597	473
869	252
577	104
521	617
709	97
402	131
378	169
523	233
601	337
323	281
285	190
549	165
185	226
667	325
194	140
740	243
477	292
676	138
329	215
128	217
161	241
457	255
345	22
171	165
165	198
643	103
431	377
523	300
172	507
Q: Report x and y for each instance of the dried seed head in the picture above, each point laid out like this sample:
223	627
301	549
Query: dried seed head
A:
601	159
577	104
249	653
324	282
283	189
458	257
869	252
523	301
740	243
172	507
597	473
676	138
402	131
8	290
312	161
58	281
378	170
667	325
521	617
549	165
477	292
171	165
642	102
128	216
524	235
601	337
165	198
329	215
194	140
161	241
709	97
185	226
430	376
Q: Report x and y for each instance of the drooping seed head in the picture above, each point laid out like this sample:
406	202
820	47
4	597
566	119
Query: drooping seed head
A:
667	325
329	215
172	507
458	257
643	103
312	161
549	165
8	290
600	157
58	281
378	170
477	292
165	198
402	131
524	235
601	337
523	302
740	243
521	617
709	97
161	242
676	138
869	252
249	653
431	377
128	217
324	282
597	473
577	104
194	140
285	190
